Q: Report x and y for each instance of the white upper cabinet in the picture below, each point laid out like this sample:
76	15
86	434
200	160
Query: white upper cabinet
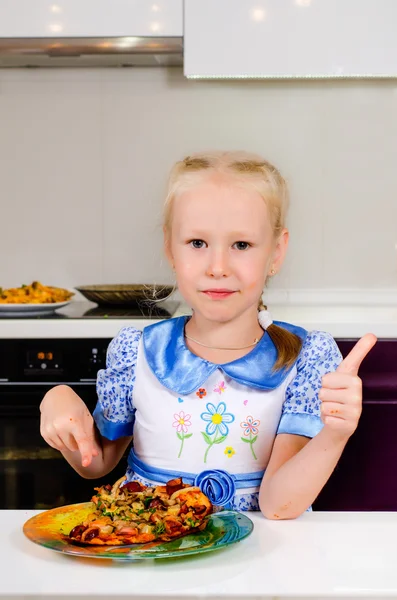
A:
290	38
90	18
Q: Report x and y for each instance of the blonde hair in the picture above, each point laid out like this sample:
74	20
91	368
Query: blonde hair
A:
249	171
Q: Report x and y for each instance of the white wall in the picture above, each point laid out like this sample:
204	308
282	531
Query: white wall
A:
84	156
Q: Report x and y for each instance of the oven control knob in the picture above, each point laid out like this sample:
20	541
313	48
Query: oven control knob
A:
43	366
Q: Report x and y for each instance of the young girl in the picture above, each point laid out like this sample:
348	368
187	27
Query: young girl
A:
255	412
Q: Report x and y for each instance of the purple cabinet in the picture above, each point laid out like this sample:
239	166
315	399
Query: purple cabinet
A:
366	475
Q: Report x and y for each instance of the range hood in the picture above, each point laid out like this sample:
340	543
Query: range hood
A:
89	33
91	52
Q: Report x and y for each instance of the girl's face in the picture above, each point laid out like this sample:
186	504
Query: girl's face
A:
222	247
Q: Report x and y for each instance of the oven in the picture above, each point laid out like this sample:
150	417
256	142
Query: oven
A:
32	474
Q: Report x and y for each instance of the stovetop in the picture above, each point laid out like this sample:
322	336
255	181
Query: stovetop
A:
89	310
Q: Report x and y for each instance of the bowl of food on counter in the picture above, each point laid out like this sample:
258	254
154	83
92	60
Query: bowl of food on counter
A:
34	299
132	294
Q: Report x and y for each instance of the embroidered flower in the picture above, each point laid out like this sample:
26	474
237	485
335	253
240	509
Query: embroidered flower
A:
201	393
250	426
220	387
182	422
229	451
217	418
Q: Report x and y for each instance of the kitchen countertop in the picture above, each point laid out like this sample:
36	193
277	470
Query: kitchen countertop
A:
70	326
349	321
341	321
320	555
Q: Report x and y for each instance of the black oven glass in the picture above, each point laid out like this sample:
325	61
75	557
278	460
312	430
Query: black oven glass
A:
33	475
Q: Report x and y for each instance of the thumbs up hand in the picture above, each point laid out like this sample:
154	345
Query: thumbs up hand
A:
341	391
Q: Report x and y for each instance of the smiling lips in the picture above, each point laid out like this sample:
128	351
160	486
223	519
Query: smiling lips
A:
219	293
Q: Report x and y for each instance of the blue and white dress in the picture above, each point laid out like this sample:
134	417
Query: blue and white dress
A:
214	425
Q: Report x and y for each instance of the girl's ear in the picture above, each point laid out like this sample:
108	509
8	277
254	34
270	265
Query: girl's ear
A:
280	251
167	247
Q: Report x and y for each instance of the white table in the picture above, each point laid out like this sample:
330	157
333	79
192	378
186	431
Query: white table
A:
319	555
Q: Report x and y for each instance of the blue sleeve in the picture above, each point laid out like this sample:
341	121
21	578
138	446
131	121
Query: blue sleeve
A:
114	413
301	409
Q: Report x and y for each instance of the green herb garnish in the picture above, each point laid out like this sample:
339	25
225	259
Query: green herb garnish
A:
159	528
192	523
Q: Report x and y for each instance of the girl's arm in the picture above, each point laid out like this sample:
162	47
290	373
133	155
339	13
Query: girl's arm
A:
297	471
298	467
68	426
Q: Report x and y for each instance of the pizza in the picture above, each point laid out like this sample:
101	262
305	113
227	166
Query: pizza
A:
132	513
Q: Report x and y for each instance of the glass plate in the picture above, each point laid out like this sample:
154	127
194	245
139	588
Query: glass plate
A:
49	529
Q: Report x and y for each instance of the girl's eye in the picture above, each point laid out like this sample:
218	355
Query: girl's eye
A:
197	244
242	245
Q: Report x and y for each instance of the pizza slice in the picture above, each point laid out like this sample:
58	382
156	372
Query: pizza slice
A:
136	514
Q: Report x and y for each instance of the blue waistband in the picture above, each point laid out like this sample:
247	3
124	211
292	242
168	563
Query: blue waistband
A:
219	485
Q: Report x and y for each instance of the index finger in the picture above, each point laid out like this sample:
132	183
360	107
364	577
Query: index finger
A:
353	360
85	444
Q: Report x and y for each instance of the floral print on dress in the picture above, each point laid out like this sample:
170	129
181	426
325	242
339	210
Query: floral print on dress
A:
182	423
115	384
301	408
245	502
201	393
250	427
229	451
220	387
217	417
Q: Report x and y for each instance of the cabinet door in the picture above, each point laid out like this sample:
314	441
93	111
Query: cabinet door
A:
290	38
90	18
366	475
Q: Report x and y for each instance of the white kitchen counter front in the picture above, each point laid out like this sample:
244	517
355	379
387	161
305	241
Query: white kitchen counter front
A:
320	555
348	321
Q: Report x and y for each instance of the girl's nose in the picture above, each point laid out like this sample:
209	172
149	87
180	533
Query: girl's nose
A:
218	265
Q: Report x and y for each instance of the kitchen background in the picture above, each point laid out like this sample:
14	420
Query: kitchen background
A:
84	157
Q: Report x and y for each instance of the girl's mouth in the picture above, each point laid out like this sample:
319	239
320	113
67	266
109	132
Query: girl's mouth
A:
218	294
